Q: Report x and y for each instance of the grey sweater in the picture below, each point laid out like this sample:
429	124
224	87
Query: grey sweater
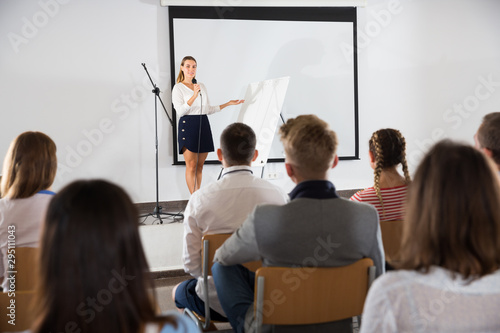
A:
307	232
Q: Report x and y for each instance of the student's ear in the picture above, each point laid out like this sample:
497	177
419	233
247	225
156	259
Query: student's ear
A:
289	170
373	164
255	155
335	161
219	154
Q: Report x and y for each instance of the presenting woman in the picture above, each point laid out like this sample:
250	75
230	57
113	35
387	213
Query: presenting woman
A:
191	103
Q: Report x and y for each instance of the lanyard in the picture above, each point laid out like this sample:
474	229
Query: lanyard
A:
240	170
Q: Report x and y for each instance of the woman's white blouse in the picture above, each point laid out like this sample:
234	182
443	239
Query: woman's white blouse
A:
409	301
201	105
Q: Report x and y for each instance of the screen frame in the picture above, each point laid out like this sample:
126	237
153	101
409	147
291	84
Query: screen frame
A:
312	14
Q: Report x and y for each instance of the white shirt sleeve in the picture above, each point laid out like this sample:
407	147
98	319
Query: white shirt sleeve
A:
191	253
179	101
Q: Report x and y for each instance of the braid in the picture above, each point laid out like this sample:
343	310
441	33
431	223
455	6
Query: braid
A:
379	159
403	157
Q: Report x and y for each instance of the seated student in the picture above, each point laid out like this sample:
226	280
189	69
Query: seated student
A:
93	272
221	207
387	151
288	235
450	277
487	138
28	172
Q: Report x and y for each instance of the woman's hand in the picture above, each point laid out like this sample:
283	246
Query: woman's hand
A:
196	89
196	92
235	101
232	102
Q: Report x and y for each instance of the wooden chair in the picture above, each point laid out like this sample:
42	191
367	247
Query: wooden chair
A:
210	243
392	233
23	312
26	267
311	295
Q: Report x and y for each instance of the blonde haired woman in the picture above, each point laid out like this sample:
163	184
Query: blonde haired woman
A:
191	103
28	172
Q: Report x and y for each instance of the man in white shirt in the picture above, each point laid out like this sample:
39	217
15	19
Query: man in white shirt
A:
221	207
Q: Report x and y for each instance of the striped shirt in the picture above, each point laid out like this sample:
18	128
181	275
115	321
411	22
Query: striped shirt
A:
392	197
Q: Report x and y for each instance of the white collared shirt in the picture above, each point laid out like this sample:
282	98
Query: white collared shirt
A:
221	207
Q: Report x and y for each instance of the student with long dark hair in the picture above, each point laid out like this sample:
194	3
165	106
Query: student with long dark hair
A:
93	271
449	277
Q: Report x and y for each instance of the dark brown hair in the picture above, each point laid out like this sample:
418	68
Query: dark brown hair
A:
309	144
93	271
237	143
488	135
388	147
180	77
452	218
29	166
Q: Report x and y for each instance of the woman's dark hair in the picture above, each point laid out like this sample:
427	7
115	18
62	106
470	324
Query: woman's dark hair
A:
453	216
93	271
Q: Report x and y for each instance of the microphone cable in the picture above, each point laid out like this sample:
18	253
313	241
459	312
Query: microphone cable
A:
199	138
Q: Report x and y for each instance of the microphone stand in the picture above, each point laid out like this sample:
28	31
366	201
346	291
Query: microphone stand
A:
157	212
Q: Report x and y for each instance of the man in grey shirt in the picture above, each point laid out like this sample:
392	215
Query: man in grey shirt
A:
317	228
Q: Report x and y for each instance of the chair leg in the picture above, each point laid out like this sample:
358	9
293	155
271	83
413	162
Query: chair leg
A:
211	328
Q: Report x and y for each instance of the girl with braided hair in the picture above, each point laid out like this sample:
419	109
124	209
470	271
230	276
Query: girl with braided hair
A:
387	151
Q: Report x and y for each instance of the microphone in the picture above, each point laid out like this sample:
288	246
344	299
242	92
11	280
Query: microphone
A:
194	81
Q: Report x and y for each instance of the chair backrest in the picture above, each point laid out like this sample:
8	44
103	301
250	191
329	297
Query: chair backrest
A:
22	315
311	295
26	267
392	233
212	243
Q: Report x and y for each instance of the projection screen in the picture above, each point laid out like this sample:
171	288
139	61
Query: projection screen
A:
235	47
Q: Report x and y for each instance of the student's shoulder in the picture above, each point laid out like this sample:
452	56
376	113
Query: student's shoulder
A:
363	194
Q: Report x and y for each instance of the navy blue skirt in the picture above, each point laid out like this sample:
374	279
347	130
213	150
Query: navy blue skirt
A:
188	136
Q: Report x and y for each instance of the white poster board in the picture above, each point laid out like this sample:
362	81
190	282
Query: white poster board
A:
261	111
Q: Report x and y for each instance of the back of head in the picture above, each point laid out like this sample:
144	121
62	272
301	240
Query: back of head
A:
29	166
310	144
388	147
92	265
238	144
488	135
452	219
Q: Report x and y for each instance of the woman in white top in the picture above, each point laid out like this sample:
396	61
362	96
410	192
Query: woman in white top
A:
190	100
28	172
449	279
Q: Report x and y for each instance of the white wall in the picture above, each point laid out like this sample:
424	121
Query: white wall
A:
72	70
